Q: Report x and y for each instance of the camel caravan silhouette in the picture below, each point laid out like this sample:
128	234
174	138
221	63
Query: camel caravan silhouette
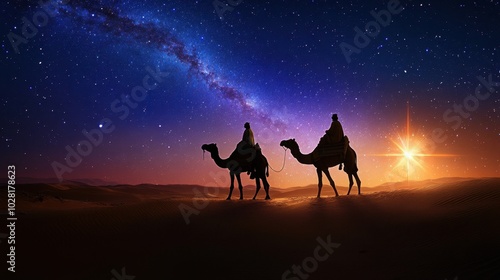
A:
333	149
247	157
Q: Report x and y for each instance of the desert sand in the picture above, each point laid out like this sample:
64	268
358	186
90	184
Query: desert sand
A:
437	229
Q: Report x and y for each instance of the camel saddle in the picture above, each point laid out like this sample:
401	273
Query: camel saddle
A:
325	149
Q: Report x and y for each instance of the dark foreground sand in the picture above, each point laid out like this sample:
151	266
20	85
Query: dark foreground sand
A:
439	229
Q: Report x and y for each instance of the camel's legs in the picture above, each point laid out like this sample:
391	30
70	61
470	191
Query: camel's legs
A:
320	181
231	187
332	183
350	183
266	186
257	186
240	187
358	182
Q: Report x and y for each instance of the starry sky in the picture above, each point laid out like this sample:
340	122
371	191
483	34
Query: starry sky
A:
151	81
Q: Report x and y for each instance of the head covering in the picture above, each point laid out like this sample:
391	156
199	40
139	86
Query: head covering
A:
247	125
335	117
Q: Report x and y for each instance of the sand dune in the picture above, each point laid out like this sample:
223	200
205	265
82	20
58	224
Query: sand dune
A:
436	229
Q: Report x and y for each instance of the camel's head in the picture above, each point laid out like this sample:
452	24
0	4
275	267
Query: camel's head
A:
288	143
209	147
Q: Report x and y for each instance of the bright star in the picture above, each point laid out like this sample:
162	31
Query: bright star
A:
409	153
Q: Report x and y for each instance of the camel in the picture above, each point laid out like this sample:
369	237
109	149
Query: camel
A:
323	163
241	160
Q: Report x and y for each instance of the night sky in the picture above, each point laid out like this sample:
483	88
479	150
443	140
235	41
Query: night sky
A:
160	78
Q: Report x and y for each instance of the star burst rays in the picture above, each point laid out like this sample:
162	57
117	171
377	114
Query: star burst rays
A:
409	151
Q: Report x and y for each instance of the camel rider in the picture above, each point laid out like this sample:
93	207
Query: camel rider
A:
249	139
335	132
248	135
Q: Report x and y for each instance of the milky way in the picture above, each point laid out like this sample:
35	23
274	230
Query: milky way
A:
275	64
110	21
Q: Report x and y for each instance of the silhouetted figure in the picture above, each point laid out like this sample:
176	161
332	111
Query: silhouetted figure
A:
250	141
322	161
239	162
248	135
335	133
334	141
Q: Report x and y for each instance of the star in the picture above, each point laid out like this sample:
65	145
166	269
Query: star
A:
409	152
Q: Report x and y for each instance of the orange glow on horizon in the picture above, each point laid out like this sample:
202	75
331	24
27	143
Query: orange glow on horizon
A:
409	152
